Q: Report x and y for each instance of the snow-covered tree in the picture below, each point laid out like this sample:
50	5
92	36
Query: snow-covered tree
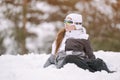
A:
31	25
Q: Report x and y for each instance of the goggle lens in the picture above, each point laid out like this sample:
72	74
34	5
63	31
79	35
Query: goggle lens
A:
71	22
68	22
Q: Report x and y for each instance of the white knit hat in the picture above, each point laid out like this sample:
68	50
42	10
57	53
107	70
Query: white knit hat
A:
74	17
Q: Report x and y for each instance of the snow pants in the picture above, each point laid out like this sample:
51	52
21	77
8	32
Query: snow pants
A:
92	65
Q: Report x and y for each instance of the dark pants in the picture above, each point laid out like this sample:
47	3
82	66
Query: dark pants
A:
91	65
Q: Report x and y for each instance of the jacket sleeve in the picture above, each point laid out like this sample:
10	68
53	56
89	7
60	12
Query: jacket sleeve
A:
88	49
53	48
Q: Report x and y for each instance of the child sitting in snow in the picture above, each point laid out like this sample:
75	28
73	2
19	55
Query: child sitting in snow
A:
72	46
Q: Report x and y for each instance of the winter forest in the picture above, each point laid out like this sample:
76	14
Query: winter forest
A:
31	25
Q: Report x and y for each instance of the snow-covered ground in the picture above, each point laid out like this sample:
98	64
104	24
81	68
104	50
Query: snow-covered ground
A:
30	67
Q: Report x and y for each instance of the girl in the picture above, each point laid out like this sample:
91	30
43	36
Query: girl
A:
72	46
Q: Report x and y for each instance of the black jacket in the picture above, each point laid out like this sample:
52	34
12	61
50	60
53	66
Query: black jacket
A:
80	45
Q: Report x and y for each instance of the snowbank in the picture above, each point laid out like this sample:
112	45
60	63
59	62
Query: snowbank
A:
30	67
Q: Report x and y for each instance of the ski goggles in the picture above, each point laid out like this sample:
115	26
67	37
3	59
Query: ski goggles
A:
71	22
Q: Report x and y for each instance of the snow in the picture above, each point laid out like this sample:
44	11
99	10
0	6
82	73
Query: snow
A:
44	31
5	24
45	7
30	67
102	6
105	9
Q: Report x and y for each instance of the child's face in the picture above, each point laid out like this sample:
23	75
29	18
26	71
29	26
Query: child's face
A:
69	25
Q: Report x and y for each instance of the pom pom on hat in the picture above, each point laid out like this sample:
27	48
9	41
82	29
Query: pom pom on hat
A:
74	17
